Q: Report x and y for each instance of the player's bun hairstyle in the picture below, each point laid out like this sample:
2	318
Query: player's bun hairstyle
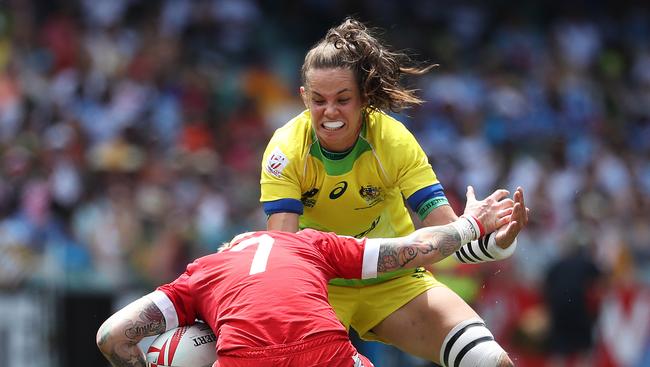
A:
378	70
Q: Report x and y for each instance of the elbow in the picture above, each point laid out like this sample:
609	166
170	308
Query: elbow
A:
103	337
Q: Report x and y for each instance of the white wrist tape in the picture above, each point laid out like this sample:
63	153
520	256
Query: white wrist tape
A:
484	249
468	229
498	252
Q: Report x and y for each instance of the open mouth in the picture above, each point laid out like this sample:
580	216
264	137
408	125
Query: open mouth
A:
333	125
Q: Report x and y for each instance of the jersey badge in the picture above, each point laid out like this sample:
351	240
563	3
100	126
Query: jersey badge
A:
276	163
371	194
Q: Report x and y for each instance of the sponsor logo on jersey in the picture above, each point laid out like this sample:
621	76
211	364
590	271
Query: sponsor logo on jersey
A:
419	272
338	190
372	226
276	163
307	198
371	194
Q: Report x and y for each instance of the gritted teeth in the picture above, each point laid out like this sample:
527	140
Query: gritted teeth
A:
333	125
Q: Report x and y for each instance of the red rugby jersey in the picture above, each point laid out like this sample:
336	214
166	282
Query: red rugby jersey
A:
269	288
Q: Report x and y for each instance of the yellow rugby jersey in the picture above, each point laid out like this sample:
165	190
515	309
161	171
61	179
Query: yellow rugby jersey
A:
359	195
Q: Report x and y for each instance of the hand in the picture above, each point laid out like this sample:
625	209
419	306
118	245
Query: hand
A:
493	212
506	234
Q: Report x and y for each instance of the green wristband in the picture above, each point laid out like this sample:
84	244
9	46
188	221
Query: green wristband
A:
426	207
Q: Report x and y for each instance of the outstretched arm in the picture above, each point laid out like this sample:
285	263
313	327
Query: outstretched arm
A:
118	337
423	247
431	244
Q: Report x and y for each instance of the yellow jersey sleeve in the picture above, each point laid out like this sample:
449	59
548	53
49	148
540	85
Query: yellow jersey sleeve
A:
282	164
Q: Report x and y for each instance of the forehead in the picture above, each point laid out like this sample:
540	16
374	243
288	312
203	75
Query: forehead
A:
331	80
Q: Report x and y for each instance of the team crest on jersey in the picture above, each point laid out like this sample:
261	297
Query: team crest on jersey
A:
307	198
371	194
276	163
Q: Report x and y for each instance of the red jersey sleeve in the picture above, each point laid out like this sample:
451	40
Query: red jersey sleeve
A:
179	293
350	257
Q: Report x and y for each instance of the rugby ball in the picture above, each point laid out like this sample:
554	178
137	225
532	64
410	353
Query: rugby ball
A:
186	346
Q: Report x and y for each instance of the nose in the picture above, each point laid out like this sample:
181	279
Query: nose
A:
331	111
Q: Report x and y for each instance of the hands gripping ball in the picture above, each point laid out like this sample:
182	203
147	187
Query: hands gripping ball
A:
185	346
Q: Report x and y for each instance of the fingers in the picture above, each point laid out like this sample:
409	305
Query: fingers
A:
505	213
515	208
505	204
520	212
513	223
498	209
499	195
519	194
520	216
505	220
471	196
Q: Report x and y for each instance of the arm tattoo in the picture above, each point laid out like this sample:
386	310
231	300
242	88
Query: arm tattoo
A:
426	245
152	322
449	240
119	337
133	360
396	255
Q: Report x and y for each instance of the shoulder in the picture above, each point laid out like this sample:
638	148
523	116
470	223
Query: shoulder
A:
316	238
328	239
311	235
288	145
298	127
387	135
387	130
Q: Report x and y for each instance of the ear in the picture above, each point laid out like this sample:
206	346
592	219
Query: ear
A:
303	95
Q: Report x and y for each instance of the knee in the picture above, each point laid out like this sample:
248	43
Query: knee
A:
470	343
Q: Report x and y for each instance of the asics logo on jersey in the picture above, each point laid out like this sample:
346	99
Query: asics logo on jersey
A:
338	190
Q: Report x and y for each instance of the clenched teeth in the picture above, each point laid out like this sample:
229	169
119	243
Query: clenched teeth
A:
333	125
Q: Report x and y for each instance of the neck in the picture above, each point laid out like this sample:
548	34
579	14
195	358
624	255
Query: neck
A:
335	155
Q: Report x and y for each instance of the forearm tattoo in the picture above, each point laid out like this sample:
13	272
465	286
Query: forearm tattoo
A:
152	322
426	245
119	338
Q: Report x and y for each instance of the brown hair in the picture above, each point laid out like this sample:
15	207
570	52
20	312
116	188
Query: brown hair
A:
377	69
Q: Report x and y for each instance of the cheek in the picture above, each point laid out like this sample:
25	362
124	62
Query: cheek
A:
316	111
352	113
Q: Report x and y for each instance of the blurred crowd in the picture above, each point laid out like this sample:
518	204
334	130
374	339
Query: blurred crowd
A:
131	134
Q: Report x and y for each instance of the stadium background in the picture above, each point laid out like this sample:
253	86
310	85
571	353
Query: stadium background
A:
131	133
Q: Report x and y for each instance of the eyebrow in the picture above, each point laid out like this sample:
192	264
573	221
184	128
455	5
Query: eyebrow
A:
339	92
